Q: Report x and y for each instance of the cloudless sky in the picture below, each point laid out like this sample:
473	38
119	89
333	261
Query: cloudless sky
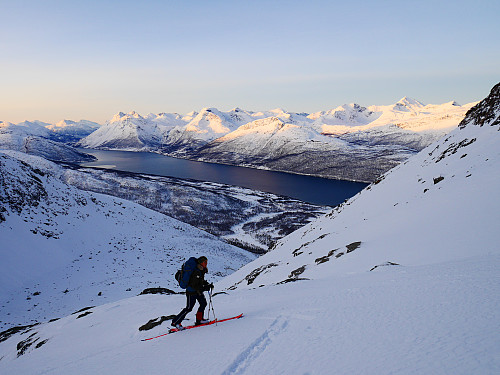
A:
65	59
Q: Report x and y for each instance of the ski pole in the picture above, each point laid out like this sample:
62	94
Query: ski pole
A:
211	304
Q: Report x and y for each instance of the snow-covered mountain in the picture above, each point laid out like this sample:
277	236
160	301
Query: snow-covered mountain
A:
34	139
36	128
131	131
63	248
350	142
401	279
70	132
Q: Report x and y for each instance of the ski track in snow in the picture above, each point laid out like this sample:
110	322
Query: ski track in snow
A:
247	356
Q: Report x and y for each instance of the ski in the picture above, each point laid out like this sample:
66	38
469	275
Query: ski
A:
174	330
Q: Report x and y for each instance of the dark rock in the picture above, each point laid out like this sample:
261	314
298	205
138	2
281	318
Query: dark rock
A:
41	343
385	265
84	314
24	345
353	246
295	273
155	322
486	111
84	309
157	291
255	273
4	335
438	179
291	280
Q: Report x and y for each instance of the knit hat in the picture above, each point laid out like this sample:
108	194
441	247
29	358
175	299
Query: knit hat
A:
202	259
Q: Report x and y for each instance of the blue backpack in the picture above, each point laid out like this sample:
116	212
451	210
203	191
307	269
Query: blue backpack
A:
184	274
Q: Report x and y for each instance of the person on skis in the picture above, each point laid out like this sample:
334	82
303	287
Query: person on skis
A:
194	292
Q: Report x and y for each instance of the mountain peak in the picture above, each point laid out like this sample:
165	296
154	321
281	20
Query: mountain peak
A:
209	110
409	102
64	123
134	114
277	110
486	111
120	116
5	124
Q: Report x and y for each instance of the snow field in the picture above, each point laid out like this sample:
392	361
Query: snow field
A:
438	319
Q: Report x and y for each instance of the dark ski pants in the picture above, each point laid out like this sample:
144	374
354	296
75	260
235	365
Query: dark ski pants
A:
190	301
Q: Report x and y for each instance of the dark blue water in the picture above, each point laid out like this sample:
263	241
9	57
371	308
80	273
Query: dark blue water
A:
305	188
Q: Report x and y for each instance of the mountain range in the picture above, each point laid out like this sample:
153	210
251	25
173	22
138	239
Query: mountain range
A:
402	278
53	142
350	142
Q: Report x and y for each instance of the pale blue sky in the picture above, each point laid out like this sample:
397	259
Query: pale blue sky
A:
91	59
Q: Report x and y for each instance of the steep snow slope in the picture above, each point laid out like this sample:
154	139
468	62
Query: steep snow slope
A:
33	140
437	319
63	248
440	205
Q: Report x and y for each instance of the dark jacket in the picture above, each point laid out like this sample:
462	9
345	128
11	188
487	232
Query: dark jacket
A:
197	283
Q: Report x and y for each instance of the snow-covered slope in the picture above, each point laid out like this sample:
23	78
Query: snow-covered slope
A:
436	319
274	144
131	131
63	248
349	142
253	220
70	132
203	127
32	138
440	205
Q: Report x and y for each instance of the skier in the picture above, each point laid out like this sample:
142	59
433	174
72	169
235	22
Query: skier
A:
194	292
